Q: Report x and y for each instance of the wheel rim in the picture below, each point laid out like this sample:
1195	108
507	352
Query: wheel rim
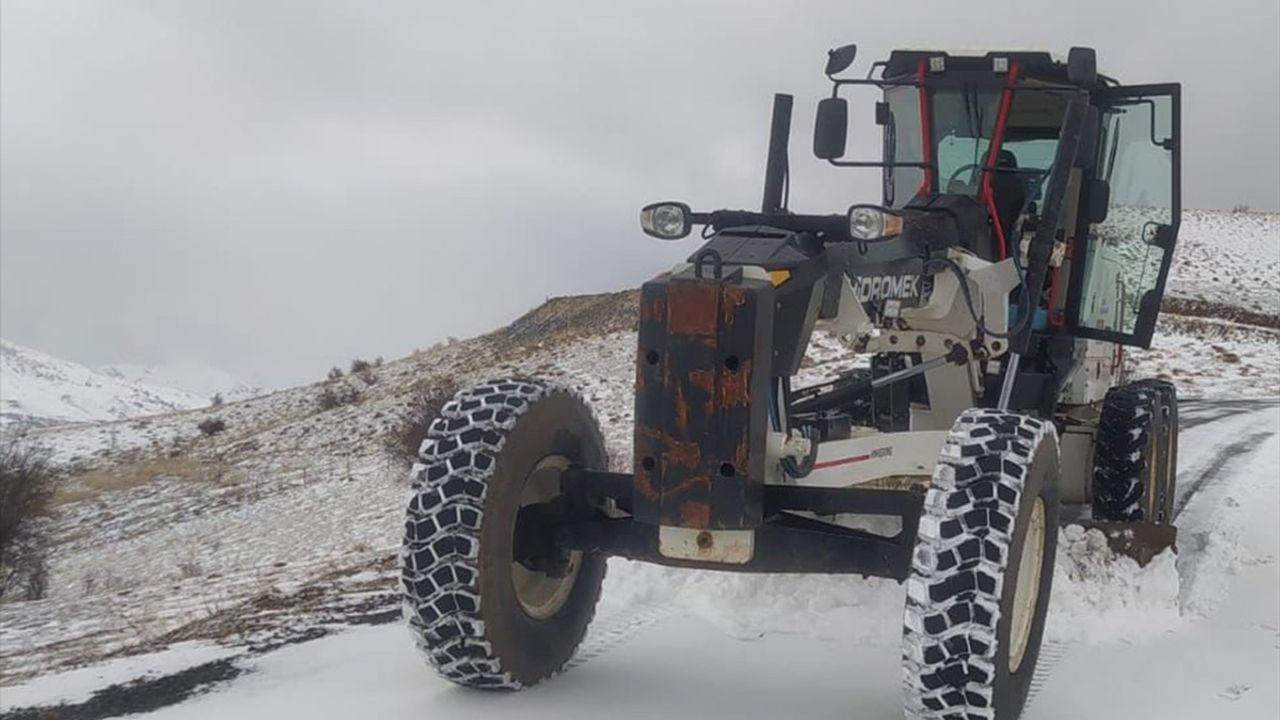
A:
541	595
1027	594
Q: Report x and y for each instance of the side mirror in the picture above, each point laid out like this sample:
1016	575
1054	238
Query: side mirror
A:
839	59
1158	235
1082	66
830	128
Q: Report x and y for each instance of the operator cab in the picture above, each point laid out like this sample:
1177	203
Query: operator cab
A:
975	139
981	130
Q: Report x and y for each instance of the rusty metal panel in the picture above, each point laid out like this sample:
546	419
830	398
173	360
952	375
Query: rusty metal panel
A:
702	383
650	400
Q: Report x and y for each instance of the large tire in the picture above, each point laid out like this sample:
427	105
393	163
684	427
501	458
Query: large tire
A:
1135	456
982	571
482	619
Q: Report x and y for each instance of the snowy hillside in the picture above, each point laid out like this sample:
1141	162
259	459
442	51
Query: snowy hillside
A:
39	388
211	550
190	377
1228	258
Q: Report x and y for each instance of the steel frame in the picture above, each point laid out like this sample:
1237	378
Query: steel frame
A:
786	542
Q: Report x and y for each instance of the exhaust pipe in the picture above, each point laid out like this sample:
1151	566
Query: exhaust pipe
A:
775	172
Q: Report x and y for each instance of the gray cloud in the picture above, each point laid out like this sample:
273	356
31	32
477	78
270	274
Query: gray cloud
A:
275	187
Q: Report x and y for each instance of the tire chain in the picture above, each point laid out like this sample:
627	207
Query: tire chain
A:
439	557
958	567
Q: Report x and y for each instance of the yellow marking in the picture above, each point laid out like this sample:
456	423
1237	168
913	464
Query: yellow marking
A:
777	277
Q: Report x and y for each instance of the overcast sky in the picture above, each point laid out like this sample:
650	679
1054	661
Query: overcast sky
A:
276	187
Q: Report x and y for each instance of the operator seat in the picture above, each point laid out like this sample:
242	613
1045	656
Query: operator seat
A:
1008	190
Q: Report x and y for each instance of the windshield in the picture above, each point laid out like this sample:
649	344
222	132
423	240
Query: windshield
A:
963	122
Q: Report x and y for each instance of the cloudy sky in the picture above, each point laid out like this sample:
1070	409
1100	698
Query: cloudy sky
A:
276	187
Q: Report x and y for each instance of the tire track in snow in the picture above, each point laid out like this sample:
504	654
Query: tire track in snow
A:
615	628
1051	653
1221	458
1199	411
1209	470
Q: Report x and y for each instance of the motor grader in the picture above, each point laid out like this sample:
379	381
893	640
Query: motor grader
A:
1029	212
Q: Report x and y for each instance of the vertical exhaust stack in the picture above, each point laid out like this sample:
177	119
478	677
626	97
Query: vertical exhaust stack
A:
776	169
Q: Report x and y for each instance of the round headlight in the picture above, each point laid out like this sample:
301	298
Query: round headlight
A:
666	220
868	222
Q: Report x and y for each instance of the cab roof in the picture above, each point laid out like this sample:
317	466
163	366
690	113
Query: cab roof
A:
1035	64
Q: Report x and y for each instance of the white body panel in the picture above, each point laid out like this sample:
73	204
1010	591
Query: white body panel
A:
732	547
844	463
1098	371
1077	464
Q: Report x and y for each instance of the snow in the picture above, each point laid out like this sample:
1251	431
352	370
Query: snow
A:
78	685
1223	663
36	386
1100	597
1230	258
191	377
1211	358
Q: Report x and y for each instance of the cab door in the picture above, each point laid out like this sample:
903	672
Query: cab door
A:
1133	225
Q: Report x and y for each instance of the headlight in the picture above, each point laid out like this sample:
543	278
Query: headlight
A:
665	220
868	222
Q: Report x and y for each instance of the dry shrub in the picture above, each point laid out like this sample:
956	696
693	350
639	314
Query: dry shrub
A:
26	486
337	395
424	407
212	426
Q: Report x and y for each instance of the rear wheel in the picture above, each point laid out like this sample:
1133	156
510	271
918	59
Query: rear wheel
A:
490	599
981	574
1136	453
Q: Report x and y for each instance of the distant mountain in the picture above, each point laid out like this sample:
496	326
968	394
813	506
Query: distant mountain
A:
193	378
41	389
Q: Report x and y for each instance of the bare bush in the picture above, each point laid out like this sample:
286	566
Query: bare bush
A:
335	373
1241	208
337	395
216	400
190	568
26	487
424	407
212	426
363	369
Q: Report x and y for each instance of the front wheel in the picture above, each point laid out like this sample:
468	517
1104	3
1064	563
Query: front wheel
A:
981	574
490	599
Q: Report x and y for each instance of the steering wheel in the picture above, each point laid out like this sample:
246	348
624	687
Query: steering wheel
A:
971	167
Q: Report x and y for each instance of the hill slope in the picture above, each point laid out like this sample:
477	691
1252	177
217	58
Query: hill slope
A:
41	389
192	378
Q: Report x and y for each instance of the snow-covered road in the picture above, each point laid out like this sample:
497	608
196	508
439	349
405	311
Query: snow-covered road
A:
1193	638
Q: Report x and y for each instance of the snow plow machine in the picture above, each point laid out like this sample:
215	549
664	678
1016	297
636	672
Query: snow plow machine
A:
1029	214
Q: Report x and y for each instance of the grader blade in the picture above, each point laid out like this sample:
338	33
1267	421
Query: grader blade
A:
1139	540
